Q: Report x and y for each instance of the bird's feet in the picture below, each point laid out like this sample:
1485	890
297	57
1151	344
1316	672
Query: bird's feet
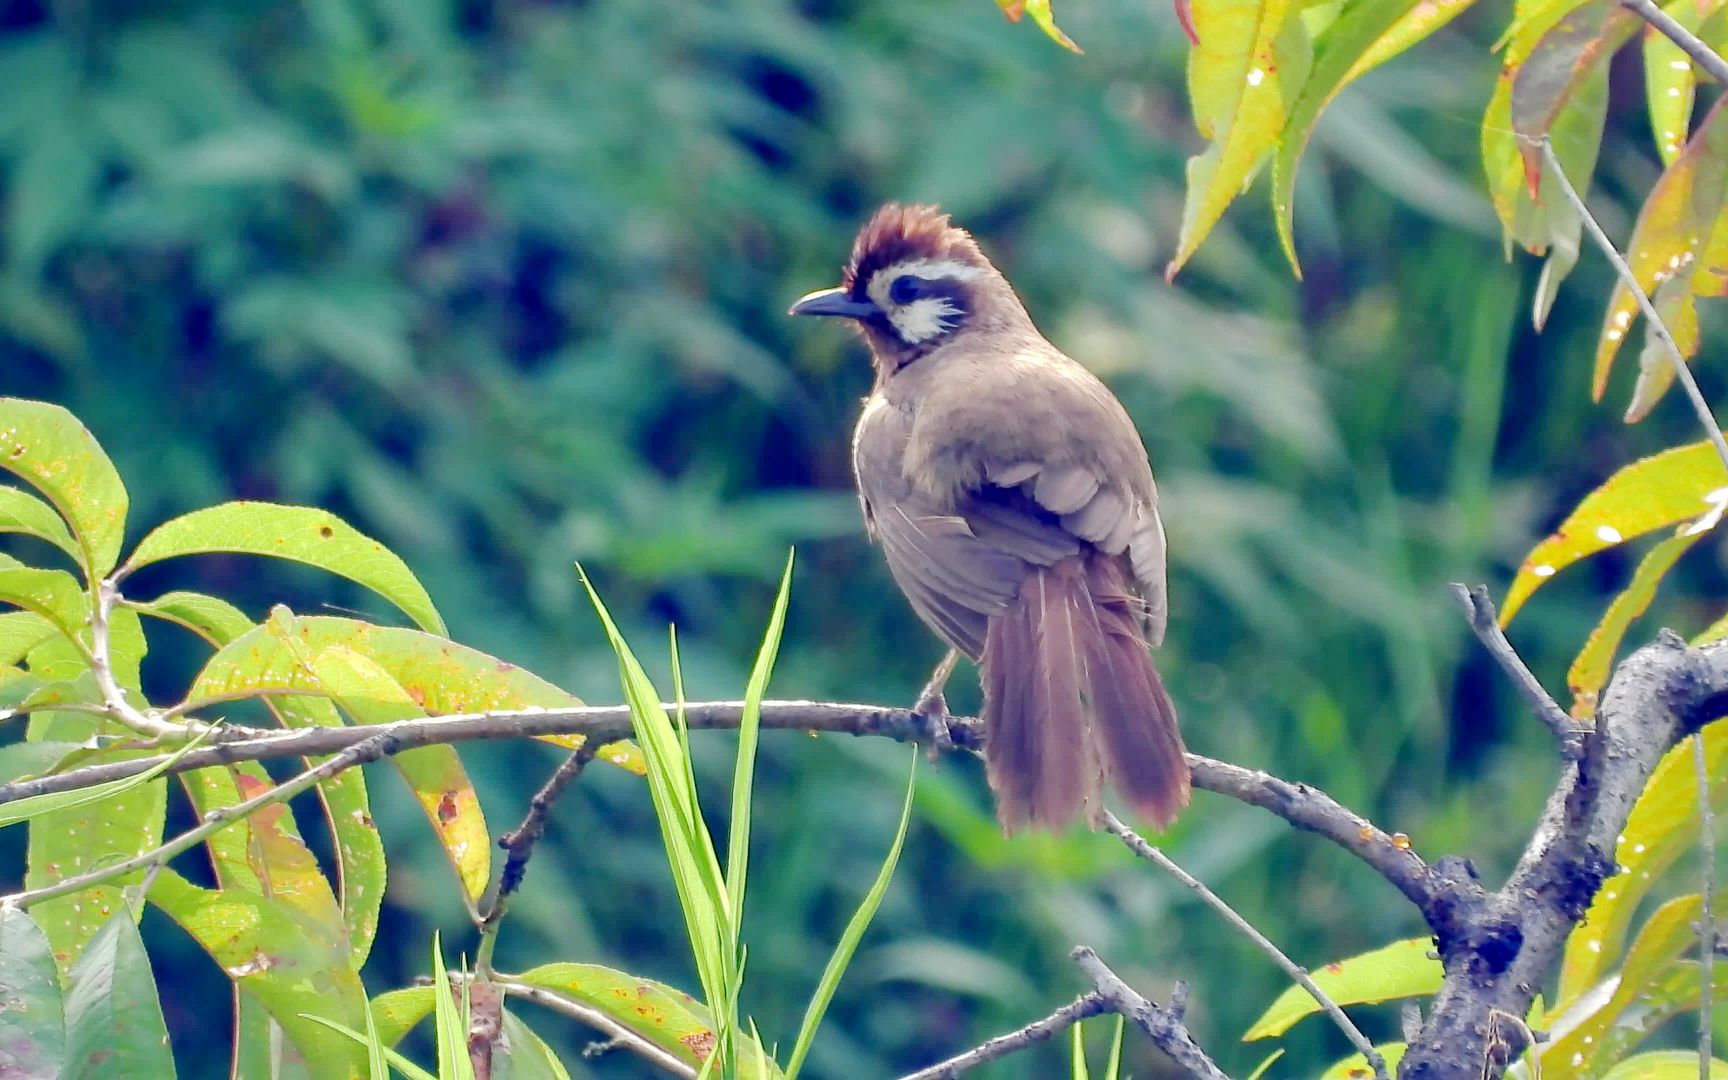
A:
931	713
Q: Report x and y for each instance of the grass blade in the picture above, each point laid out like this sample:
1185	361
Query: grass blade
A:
749	728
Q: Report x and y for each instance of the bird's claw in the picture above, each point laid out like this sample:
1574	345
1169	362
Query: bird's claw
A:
932	715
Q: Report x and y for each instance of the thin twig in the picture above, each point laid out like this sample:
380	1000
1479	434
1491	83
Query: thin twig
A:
216	820
519	845
1681	370
1145	850
1162	1024
1086	1005
651	1052
1708	59
1484	621
1707	897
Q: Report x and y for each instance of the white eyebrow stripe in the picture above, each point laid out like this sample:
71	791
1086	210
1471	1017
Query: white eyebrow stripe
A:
935	269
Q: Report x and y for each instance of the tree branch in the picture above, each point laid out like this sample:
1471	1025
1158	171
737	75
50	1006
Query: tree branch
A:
1162	1024
1690	44
594	1018
1479	609
1086	1005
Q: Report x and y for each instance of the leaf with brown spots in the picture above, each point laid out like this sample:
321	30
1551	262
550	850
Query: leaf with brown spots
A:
1685	484
46	447
1399	970
297	533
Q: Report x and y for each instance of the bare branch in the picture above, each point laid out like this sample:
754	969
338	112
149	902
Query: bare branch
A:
1690	44
1141	847
1163	1025
1707	898
1086	1005
650	1052
1479	609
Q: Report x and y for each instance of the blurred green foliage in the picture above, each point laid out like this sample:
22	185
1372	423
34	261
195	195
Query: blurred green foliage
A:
502	282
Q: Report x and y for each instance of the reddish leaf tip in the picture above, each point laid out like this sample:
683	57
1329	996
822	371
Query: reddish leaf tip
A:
1185	16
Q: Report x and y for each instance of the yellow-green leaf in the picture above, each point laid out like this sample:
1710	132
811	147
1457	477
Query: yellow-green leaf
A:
1665	1065
1239	82
1676	220
396	1013
1678	308
22	512
49	449
1590	668
1042	16
1670	83
441	676
298	533
1355	1067
1401	969
21	631
53	594
1685	483
1661	827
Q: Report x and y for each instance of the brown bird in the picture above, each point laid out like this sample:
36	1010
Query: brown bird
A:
1014	501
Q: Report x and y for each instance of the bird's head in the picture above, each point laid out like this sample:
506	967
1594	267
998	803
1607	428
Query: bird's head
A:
914	281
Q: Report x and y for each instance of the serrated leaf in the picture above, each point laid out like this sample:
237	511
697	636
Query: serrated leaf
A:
280	959
1240	83
114	1023
32	1025
22	512
1673	226
1654	985
49	449
1665	1065
441	676
1590	667
1661	827
1337	56
1355	1067
1401	969
1661	490
297	533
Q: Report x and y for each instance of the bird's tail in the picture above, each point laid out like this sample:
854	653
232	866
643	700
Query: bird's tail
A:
1070	696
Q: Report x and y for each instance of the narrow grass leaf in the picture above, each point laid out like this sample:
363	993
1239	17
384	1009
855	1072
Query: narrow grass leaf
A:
749	729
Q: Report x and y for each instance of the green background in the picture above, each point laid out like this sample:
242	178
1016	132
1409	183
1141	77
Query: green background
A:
504	283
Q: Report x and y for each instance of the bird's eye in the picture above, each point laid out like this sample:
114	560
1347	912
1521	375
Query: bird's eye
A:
904	290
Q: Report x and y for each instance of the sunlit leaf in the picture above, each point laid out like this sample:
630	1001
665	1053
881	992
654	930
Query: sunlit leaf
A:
32	1025
297	533
1560	65
1677	485
1355	1067
524	1055
1676	304
1589	669
35	806
1672	229
1670	83
435	773
53	594
21	631
114	1023
440	675
22	512
396	1013
1654	985
1241	78
49	449
1401	969
1661	827
749	729
1042	16
1410	28
1337	56
281	959
1665	1065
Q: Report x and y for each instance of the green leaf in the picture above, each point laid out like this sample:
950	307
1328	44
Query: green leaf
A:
114	1023
1663	825
1113	1068
1399	970
853	934
300	534
1670	81
368	1042
210	617
1654	985
53	594
1665	1065
523	1055
1677	485
669	1018
32	1025
1252	57
1355	1067
21	631
1678	216
1077	1054
1337	58
1589	669
396	1013
1563	61
26	760
749	728
442	676
1261	1069
22	512
49	449
280	957
451	1021
34	806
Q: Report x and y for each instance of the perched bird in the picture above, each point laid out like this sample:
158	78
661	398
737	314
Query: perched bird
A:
1013	499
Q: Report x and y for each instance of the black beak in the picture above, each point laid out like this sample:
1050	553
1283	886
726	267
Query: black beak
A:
834	302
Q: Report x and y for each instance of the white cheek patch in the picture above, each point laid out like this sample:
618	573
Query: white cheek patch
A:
922	320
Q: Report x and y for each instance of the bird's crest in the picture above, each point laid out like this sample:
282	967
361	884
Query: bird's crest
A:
900	233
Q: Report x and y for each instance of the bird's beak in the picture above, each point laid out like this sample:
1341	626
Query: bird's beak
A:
834	302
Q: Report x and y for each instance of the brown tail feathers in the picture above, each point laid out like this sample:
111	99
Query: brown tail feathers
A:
1071	696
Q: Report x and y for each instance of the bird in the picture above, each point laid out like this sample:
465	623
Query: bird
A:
1014	501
